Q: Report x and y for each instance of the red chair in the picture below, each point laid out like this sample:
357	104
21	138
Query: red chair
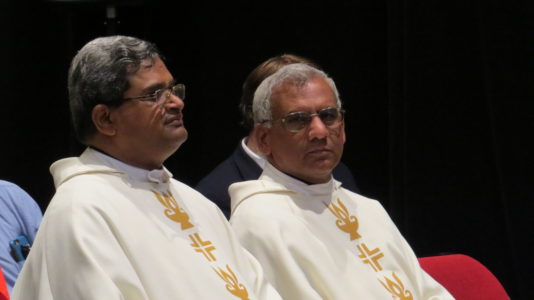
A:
4	295
464	277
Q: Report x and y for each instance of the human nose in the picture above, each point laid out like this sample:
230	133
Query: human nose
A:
174	101
317	128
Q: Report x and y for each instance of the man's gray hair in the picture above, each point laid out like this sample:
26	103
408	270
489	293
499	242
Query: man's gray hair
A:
99	73
294	74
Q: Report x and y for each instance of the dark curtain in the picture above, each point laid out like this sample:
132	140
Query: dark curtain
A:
439	101
461	120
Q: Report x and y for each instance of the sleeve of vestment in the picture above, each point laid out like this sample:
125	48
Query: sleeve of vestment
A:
78	254
428	288
248	264
277	243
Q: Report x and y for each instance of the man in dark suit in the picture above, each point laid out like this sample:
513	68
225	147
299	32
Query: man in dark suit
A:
246	162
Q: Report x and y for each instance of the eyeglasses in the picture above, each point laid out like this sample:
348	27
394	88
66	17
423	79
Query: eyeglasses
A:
296	121
161	96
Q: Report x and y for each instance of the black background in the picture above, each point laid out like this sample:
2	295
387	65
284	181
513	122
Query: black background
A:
439	97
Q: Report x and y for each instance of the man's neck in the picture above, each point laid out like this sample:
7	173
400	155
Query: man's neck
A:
131	158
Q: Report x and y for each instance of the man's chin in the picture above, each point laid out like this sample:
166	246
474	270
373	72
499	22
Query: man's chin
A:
179	132
178	136
318	174
324	165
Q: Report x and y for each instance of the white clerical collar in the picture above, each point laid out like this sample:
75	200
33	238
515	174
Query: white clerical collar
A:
137	174
272	173
258	158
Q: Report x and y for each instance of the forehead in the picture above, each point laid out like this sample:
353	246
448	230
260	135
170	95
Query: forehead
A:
151	72
314	95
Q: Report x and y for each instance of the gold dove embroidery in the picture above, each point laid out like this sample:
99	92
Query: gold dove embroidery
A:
396	288
173	211
232	284
345	222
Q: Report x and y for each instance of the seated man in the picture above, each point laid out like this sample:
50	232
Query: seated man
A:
119	226
20	217
316	239
246	162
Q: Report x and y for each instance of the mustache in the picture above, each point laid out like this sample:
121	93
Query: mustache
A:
173	115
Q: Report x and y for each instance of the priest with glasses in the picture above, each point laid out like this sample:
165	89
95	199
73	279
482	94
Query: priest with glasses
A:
316	239
119	226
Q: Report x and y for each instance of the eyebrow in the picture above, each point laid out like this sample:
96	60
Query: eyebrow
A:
158	86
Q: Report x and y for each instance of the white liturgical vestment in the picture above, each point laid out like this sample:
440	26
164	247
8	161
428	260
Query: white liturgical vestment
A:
324	242
113	231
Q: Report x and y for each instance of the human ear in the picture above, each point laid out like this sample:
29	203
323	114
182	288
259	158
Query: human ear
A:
101	116
261	134
343	136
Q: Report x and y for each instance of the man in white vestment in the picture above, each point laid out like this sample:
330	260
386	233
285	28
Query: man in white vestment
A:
315	239
119	226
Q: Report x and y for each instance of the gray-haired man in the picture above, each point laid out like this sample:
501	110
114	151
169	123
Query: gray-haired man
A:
316	239
119	226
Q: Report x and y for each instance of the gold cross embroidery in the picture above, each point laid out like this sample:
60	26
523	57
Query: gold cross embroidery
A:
345	222
232	284
173	211
396	288
370	257
204	247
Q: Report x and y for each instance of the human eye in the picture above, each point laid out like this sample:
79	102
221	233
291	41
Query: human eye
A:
297	120
161	95
329	115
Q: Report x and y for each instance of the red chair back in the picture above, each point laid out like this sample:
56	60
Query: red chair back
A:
464	277
4	295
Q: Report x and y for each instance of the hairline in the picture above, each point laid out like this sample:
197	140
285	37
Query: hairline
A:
296	75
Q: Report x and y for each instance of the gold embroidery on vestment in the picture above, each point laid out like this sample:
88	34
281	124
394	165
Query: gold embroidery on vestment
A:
173	211
232	284
204	247
345	222
396	288
370	257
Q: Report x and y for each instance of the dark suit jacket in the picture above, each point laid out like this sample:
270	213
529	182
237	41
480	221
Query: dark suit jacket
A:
240	167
